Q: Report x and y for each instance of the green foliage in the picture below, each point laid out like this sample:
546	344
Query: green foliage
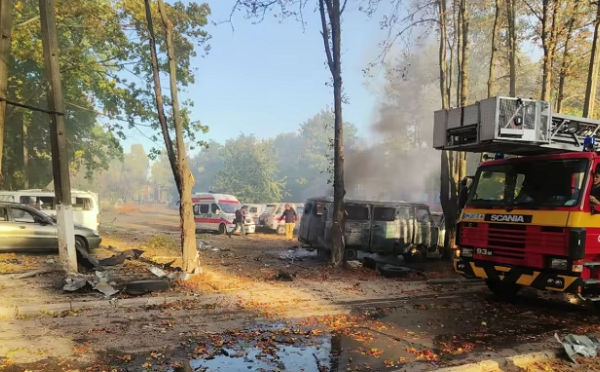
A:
249	170
102	46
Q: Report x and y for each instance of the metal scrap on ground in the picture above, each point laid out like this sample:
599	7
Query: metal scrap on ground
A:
579	345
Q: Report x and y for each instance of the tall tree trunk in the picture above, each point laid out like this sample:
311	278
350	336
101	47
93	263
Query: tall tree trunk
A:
594	66
332	10
458	34
549	15
512	46
465	18
186	212
25	124
566	58
446	167
495	28
6	15
180	170
442	54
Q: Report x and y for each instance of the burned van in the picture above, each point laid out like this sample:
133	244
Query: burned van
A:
312	224
398	228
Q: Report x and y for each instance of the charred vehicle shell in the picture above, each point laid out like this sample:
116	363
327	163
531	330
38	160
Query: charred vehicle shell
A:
398	228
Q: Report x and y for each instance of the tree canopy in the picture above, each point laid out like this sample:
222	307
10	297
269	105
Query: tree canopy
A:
106	78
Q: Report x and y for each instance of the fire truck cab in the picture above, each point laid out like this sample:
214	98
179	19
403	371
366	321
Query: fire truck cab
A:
528	220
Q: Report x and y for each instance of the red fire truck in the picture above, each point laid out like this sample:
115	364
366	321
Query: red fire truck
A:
529	220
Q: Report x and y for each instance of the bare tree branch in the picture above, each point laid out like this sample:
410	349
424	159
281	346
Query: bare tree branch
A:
325	35
25	23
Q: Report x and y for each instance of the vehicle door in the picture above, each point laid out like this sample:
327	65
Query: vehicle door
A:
30	232
201	216
439	221
326	223
385	230
213	217
316	223
428	231
305	222
9	235
358	225
253	213
406	227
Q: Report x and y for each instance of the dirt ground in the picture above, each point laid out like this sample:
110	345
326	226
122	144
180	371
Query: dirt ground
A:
240	314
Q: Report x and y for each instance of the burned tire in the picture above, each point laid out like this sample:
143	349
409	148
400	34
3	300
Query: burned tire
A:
141	287
81	243
222	229
392	271
503	290
280	230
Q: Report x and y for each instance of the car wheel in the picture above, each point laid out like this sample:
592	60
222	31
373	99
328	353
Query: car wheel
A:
222	229
281	230
81	244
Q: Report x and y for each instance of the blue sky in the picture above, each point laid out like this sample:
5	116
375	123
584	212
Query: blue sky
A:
267	78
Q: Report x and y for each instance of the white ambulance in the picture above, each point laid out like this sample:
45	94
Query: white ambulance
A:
86	211
216	212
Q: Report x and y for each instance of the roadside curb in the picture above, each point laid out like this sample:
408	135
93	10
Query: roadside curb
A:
14	311
445	281
500	362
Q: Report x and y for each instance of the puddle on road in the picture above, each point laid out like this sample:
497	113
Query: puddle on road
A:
270	350
287	358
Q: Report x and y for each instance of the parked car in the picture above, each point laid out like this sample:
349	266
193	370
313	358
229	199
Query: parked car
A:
24	228
399	228
254	211
270	219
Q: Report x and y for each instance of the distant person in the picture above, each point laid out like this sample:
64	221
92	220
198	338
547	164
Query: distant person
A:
240	218
290	216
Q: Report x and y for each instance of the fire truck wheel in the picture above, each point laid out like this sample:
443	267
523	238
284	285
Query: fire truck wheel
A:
503	289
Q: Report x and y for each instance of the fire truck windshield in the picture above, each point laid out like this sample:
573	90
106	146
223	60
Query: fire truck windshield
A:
529	183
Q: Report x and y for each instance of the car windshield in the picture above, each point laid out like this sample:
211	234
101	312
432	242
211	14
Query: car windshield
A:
230	208
269	209
536	183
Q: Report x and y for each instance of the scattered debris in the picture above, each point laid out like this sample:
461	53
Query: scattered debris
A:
283	276
354	264
121	258
75	284
31	274
98	282
141	287
585	346
86	261
176	274
202	245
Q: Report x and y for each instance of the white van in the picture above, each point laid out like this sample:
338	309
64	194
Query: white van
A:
86	210
216	212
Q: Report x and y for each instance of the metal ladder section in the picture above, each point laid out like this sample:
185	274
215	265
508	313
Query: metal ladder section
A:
569	132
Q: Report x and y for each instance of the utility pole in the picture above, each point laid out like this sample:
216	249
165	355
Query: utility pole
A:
58	140
6	12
